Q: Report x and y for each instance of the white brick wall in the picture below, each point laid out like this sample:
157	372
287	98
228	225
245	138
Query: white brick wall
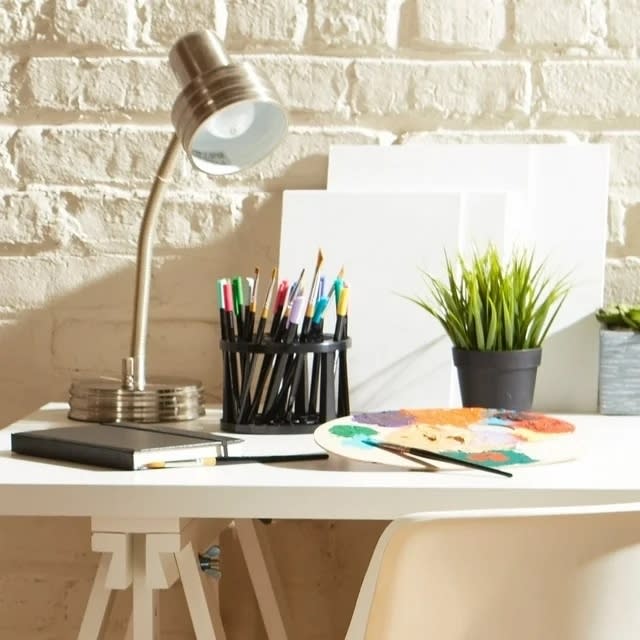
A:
85	95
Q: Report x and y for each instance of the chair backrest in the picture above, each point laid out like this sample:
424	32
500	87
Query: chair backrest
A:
527	574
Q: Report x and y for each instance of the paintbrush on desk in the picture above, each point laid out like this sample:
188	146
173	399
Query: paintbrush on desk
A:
433	455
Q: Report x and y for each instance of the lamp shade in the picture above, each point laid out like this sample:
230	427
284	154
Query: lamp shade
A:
227	116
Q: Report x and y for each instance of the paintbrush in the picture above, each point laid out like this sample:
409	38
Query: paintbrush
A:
258	340
251	313
432	455
295	290
312	294
336	283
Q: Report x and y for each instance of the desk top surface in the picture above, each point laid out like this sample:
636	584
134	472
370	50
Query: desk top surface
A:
606	470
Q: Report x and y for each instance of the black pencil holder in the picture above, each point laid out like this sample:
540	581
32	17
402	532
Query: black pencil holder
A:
279	388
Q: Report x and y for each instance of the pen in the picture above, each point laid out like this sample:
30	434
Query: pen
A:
212	462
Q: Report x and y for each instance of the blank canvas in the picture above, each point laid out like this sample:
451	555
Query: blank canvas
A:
562	192
400	356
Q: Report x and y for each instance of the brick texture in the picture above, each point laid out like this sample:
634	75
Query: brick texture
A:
624	23
560	24
351	23
599	91
439	91
473	24
85	101
254	24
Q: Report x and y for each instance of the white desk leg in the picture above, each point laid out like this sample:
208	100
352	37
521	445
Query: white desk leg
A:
114	572
145	600
144	553
262	579
190	575
97	607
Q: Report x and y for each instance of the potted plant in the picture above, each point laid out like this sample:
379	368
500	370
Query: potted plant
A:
619	370
497	313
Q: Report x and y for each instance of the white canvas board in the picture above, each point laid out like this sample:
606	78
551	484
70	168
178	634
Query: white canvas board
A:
400	356
563	194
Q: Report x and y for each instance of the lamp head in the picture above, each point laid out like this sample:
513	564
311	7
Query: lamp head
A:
227	116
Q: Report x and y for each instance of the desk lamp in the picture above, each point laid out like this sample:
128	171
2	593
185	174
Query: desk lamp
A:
227	117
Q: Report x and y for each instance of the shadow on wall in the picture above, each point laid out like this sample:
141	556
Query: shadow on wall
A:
87	331
83	329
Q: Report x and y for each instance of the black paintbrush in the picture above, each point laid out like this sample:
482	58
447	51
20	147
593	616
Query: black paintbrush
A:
432	455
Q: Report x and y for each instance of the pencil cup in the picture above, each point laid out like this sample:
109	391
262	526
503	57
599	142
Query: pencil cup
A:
279	388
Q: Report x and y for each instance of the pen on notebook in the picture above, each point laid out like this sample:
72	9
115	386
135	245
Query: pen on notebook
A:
222	460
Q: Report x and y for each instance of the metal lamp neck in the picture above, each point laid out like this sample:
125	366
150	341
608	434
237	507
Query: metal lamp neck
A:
134	367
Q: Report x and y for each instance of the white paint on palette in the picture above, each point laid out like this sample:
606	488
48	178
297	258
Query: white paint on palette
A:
563	192
383	241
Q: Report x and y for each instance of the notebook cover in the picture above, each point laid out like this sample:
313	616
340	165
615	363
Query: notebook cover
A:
106	446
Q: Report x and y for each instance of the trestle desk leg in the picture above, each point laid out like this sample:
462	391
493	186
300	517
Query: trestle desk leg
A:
263	578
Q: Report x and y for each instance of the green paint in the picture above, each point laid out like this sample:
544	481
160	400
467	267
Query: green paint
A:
497	458
351	431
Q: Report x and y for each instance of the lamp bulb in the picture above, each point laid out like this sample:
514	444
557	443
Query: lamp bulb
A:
233	121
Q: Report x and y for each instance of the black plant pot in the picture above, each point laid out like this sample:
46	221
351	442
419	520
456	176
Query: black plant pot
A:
497	379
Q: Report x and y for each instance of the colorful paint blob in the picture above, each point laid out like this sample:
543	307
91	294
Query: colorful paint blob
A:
386	418
486	436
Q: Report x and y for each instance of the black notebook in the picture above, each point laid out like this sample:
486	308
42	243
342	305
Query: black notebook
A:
117	447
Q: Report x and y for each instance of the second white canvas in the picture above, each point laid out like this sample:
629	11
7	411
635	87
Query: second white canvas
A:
400	356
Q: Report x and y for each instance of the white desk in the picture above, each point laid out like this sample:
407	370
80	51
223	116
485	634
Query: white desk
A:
126	505
607	471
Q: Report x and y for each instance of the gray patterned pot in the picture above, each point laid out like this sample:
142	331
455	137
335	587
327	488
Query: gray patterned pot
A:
619	372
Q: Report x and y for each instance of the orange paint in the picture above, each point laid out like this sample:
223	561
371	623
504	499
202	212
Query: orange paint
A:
464	417
544	424
487	456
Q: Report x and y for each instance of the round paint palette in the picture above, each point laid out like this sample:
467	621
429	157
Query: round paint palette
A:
490	437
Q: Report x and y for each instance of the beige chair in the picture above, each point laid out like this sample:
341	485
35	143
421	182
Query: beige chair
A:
530	574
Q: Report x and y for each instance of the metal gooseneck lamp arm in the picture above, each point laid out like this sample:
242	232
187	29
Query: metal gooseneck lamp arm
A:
134	367
226	117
